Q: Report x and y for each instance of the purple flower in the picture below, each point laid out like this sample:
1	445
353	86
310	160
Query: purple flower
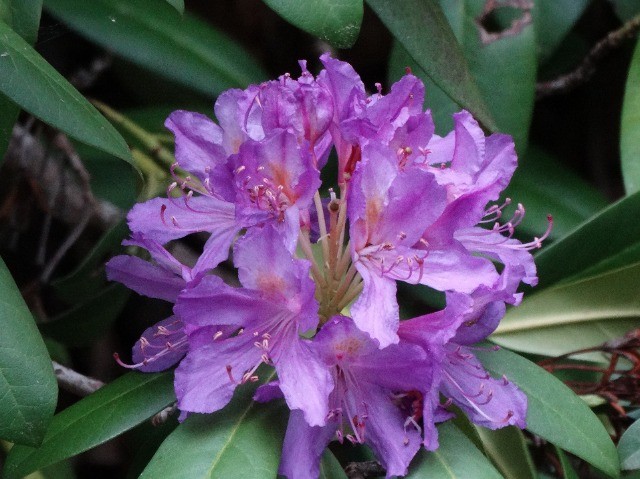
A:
267	316
373	401
408	206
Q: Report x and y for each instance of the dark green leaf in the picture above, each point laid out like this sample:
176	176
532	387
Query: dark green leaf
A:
87	321
26	18
630	127
599	241
28	80
629	447
23	16
552	20
506	87
508	449
567	468
28	388
243	440
110	411
177	4
335	21
330	468
456	458
149	33
423	30
555	413
576	315
565	195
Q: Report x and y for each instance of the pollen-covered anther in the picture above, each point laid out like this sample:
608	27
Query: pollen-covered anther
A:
402	235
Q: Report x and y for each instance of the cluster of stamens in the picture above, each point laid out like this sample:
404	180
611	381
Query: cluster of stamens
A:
337	280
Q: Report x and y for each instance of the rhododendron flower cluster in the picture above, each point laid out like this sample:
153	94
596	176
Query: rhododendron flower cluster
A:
318	264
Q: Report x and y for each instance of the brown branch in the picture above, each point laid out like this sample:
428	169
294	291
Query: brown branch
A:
587	68
74	382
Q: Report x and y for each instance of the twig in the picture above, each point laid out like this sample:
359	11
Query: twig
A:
364	470
74	382
587	68
163	415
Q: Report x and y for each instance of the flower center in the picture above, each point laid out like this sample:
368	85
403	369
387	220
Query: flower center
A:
337	280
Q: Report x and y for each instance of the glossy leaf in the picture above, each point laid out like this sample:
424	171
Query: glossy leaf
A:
553	19
565	195
597	245
23	16
242	440
28	80
630	127
423	30
330	468
567	468
177	4
508	450
110	411
554	412
575	315
150	34
629	447
506	87
28	388
334	21
456	458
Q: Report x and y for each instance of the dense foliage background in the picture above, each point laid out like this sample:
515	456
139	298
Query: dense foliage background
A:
84	91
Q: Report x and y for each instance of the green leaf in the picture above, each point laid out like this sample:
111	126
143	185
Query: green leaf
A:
576	315
178	5
28	388
28	80
565	195
86	322
507	87
598	244
423	30
567	468
330	468
23	16
552	20
150	34
508	450
456	458
630	127
335	21
554	412
105	414
629	447
243	440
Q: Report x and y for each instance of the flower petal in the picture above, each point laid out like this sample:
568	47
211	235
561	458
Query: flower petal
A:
145	278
